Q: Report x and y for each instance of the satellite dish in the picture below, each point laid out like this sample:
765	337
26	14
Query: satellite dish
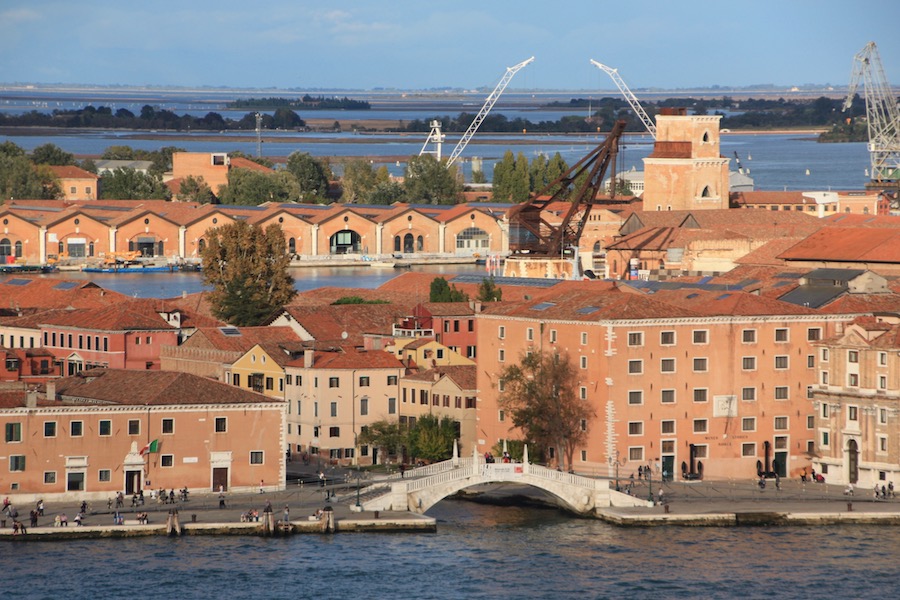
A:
343	335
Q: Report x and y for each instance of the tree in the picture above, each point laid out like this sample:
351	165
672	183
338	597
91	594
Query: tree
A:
118	152
386	193
252	188
539	395
504	174
312	174
19	178
246	267
285	118
442	292
431	438
51	154
195	189
358	181
385	435
429	181
488	291
520	186
129	184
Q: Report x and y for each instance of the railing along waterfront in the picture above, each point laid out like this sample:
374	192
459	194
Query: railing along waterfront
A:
561	476
444	477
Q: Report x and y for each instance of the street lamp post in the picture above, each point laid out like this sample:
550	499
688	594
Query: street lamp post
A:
357	489
616	462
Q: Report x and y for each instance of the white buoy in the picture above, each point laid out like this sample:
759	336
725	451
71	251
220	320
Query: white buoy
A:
807	171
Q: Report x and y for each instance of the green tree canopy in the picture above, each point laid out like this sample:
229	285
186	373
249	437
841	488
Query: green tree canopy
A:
19	178
386	193
252	188
195	189
358	181
441	291
385	435
488	291
431	438
51	154
429	181
311	174
129	184
246	267
539	394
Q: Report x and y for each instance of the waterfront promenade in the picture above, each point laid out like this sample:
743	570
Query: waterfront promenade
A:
704	503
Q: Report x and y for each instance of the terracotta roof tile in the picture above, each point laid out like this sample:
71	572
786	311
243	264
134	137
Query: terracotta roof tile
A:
348	357
858	244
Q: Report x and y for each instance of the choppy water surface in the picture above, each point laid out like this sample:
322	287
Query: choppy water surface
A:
478	552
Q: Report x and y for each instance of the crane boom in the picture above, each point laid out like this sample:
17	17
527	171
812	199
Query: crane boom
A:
629	96
882	113
488	105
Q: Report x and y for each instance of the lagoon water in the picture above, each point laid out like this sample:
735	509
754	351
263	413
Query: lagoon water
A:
478	552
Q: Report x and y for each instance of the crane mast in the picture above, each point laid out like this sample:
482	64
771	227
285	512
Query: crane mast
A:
629	96
488	105
882	114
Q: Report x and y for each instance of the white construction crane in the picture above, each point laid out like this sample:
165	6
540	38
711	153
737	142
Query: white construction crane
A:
437	137
882	114
632	99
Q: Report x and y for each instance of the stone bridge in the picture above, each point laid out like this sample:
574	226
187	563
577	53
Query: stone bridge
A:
420	489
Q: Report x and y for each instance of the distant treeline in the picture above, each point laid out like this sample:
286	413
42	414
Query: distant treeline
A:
758	114
307	102
149	118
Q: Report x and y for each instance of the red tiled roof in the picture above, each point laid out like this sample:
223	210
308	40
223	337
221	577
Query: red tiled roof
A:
348	357
213	338
730	303
126	316
72	172
858	244
857	220
464	376
47	293
152	388
329	323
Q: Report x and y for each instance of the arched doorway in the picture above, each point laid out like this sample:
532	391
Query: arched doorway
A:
5	250
852	461
398	243
409	243
292	245
146	245
473	240
344	242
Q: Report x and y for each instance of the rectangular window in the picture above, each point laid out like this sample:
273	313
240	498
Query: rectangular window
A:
270	383
236	380
781	423
221	424
501	355
781	362
635	428
667	396
501	332
748	363
635	397
582	392
529	334
748	336
700	336
810	421
825	411
583	362
748	449
392	380
853	356
584	338
334	382
667	365
853	380
882	359
748	394
811	361
667	338
134	427
882	444
635	367
700	365
781	335
334	409
392	406
882	416
76	428
825	439
636	338
700	426
289	379
701	394
781	392
168	425
667	427
257	457
13	432
667	446
636	453
49	477
852	413
17	462
363	406
50	429
701	451
748	424
167	460
364	381
813	334
104	475
105	427
824	377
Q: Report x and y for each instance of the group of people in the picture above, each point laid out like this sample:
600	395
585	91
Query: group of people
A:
814	477
489	458
883	493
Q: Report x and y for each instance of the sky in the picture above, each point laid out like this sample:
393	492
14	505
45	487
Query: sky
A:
424	44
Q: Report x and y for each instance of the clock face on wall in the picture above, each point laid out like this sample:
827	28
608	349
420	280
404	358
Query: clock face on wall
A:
725	406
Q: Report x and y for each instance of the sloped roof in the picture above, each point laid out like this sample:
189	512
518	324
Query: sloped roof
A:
125	316
730	303
329	323
45	293
72	172
348	357
151	388
464	376
857	244
238	339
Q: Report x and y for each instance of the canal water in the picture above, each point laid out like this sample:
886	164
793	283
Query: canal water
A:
478	552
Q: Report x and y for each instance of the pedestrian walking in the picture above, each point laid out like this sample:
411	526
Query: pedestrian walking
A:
40	505
221	499
287	514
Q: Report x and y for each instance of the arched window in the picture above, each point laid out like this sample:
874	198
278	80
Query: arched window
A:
597	248
397	243
472	240
420	244
19	249
705	192
705	137
5	248
90	248
408	242
292	245
201	245
662	264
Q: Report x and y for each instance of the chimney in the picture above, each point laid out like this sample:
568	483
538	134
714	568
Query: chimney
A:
51	390
307	359
31	399
437	375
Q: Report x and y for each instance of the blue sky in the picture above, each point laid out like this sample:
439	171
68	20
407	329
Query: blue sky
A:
421	44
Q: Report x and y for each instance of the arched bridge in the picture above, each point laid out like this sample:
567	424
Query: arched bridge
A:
420	489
